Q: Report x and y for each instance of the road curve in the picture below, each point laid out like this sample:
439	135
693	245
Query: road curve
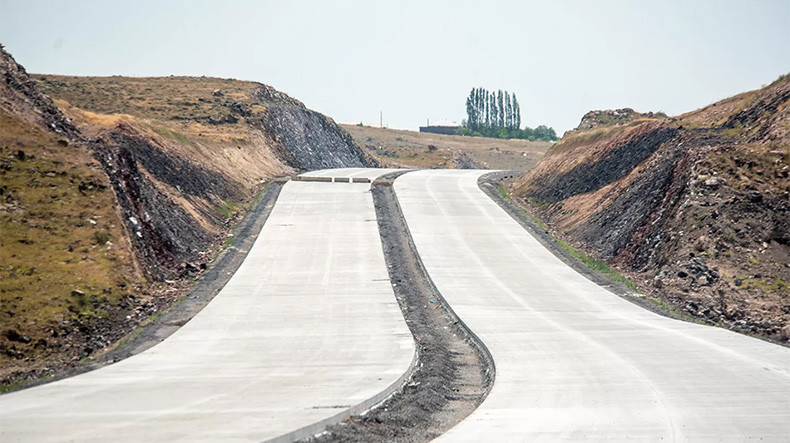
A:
369	173
306	332
574	361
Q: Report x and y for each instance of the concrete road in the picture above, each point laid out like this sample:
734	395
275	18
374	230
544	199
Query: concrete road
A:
573	361
307	331
369	173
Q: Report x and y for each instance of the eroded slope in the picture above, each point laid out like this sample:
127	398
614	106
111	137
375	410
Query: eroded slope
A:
694	208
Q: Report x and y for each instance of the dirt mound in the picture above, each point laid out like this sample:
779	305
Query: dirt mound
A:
694	209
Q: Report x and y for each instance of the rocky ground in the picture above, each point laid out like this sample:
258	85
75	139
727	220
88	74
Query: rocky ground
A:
693	209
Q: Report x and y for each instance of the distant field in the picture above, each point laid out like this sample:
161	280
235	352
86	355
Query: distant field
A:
400	148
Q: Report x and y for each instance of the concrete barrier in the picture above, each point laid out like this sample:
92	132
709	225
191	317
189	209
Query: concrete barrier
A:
303	178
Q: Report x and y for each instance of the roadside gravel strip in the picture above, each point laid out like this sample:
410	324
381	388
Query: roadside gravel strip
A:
574	361
305	333
455	371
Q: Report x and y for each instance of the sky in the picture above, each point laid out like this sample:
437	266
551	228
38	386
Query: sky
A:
418	60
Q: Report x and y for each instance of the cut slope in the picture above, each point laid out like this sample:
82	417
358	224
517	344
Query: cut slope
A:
693	208
127	188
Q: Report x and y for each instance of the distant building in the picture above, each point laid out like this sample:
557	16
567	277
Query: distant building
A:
442	127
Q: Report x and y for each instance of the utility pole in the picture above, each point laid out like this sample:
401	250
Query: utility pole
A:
381	119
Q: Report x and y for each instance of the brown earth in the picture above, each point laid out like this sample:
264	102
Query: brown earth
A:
118	195
408	149
693	209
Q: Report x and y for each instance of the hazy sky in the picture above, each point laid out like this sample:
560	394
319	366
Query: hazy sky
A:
418	60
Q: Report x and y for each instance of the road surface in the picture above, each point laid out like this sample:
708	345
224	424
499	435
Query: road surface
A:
574	361
307	330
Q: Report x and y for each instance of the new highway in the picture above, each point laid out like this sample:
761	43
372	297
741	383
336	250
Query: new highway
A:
574	361
308	331
305	333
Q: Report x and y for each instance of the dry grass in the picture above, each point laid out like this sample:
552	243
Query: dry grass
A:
180	114
60	232
403	148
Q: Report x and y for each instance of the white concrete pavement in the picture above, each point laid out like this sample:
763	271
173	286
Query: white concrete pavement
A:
307	330
368	173
574	361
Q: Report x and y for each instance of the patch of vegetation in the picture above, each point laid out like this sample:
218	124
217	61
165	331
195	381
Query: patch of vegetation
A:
227	208
155	98
666	307
497	114
537	221
173	135
535	203
55	234
596	264
503	192
585	137
766	284
101	237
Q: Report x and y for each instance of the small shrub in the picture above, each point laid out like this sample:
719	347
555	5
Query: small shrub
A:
101	237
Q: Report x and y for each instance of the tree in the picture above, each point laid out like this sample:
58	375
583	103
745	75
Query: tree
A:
545	133
500	122
498	114
517	111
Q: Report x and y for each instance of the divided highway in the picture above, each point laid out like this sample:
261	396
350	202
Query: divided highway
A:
306	332
574	361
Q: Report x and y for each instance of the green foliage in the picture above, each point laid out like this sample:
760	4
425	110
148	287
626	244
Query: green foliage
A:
101	237
497	114
503	192
596	264
169	133
227	208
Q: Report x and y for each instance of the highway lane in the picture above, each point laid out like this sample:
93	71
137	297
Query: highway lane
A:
307	331
369	173
574	361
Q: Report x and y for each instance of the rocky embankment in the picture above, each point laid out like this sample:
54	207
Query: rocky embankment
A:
118	194
694	209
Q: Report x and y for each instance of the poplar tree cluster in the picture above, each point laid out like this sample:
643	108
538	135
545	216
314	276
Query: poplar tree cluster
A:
492	110
498	114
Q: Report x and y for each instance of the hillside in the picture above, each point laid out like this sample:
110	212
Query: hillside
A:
409	149
694	209
121	192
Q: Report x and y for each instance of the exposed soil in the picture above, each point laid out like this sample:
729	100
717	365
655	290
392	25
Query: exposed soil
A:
455	371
